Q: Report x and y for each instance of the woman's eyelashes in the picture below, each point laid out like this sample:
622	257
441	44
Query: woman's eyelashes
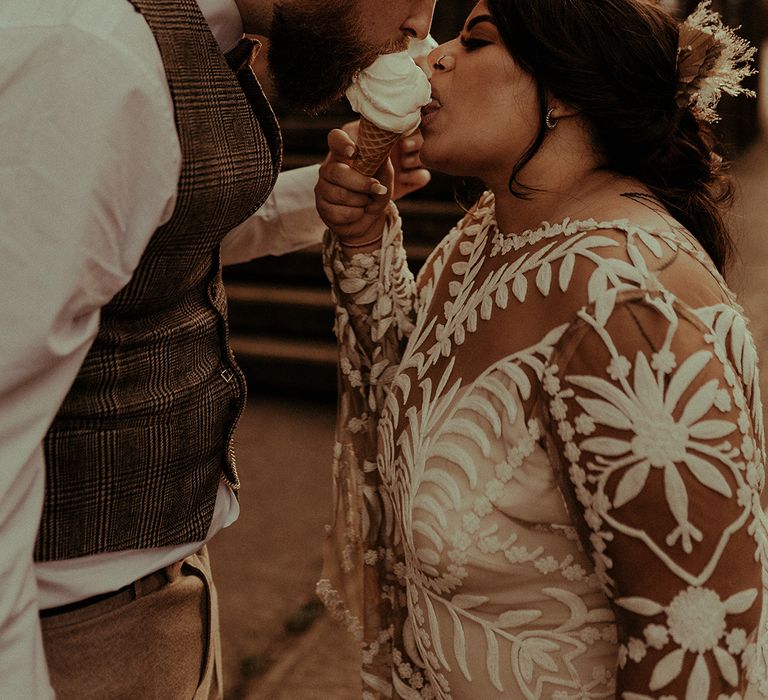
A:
472	44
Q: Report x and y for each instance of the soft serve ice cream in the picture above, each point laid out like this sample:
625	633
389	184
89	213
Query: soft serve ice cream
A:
388	96
419	50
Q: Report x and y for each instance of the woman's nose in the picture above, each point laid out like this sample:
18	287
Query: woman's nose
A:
440	61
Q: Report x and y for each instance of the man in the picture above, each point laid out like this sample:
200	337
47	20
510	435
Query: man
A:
129	148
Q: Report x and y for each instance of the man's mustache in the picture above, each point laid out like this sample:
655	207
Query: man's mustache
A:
396	45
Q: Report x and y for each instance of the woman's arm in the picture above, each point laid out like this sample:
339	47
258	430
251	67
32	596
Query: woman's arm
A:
652	426
365	261
375	296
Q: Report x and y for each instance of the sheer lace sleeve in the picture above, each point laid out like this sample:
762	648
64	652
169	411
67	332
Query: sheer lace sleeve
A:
654	421
375	297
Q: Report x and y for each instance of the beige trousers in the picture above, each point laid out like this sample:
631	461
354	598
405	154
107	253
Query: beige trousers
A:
158	639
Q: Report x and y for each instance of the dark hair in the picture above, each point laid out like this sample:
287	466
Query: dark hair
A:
615	60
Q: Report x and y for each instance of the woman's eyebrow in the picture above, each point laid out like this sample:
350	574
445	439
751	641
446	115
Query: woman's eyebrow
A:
477	20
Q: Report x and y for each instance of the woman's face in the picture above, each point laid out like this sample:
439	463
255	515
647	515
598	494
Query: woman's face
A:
485	109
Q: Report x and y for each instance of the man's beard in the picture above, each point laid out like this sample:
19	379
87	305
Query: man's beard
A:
316	50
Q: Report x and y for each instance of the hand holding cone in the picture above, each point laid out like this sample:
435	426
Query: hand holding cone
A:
374	145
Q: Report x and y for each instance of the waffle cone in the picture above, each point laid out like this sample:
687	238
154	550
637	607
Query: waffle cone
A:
373	147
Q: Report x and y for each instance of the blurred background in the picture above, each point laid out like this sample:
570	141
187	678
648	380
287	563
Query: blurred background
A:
278	644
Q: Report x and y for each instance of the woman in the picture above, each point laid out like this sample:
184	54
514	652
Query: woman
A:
550	447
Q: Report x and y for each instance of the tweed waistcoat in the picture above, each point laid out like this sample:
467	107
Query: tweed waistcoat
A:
136	452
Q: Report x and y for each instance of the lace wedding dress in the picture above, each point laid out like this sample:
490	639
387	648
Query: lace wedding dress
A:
548	465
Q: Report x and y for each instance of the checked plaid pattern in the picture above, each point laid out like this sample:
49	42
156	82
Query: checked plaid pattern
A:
136	452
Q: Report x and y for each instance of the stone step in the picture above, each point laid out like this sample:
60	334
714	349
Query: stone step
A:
285	311
287	366
303	268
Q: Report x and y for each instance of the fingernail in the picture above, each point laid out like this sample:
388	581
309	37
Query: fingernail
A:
349	151
378	188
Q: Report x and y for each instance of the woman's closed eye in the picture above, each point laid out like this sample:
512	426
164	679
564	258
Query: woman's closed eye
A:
472	44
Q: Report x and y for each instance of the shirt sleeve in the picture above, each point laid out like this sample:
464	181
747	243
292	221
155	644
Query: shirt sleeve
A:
653	415
286	222
89	161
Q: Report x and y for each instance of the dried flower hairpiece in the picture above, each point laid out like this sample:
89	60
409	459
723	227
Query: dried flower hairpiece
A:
711	60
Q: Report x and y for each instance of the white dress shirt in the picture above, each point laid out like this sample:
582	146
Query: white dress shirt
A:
89	164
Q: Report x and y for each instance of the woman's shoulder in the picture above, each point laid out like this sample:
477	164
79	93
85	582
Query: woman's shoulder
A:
577	265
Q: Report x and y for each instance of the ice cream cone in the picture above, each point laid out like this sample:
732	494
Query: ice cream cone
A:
373	147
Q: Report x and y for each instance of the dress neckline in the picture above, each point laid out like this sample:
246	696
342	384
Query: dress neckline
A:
486	214
567	227
505	242
501	243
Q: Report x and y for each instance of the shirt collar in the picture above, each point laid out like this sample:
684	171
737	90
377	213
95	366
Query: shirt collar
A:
224	20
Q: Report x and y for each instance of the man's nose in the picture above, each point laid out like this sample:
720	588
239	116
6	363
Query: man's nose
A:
420	19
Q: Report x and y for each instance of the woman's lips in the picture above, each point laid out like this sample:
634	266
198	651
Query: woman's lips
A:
429	111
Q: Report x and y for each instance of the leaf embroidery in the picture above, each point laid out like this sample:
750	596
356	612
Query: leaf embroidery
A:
433	419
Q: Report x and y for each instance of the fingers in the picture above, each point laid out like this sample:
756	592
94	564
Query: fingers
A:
411	143
353	129
345	201
410	174
410	162
347	221
339	217
348	201
341	145
350	220
413	180
377	203
343	176
410	147
409	154
337	195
